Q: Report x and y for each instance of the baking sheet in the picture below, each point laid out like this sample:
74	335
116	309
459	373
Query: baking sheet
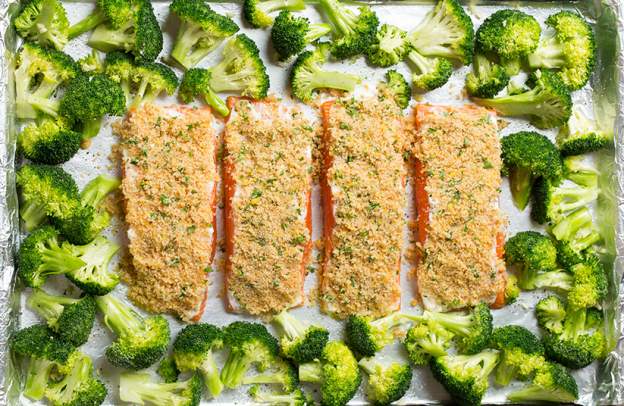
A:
597	383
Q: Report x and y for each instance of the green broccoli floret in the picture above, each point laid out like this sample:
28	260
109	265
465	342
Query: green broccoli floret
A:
580	135
71	319
465	376
256	12
78	387
52	142
307	74
579	173
336	372
510	34
446	31
571	49
28	64
140	34
138	389
120	68
521	353
196	81
141	341
92	63
168	370
590	285
117	12
282	373
56	67
294	398
577	231
367	336
151	78
551	200
201	31
46	351
353	33
512	291
427	340
551	313
398	88
389	46
431	73
595	319
532	252
248	343
488	78
552	383
386	383
548	102
192	350
300	343
291	34
44	22
528	155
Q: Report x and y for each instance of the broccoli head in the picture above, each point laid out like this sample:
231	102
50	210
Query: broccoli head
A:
52	142
151	78
590	285
300	343
256	12
512	291
521	353
580	135
389	46
138	389
120	68
168	370
532	252
595	319
551	313
552	383
28	64
397	87
431	73
92	63
44	22
488	78
78	386
291	34
282	372
367	336
576	232
117	12
196	81
551	200
386	383
427	340
294	398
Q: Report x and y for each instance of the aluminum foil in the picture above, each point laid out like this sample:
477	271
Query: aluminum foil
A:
600	383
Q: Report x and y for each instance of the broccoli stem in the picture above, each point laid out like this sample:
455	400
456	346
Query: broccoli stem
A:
580	197
536	393
235	369
312	372
512	65
574	323
272	5
33	213
521	182
186	41
22	85
216	102
342	18
55	260
422	62
37	378
91	127
369	365
105	39
292	327
49	306
505	372
527	103
583	178
454	323
576	224
141	97
118	317
555	280
210	374
98	189
316	31
91	21
45	89
333	80
44	104
549	55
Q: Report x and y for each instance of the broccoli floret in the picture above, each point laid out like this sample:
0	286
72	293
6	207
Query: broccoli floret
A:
397	87
138	389
308	74
52	142
46	351
117	12
56	67
551	313
201	31
300	343
151	78
512	291
512	35
256	12
575	171
28	62
71	319
531	252
576	251
465	376
92	63
551	201
282	373
120	68
140	34
528	155
291	34
386	383
168	370
446	31
141	341
590	285
78	386
427	340
548	102
294	398
336	372
353	33
595	319
389	46
431	73
367	336
552	383
577	230
488	78
196	81
248	343
580	135
44	22
571	49
521	352
192	350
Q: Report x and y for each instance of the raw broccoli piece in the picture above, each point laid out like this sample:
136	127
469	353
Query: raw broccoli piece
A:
44	22
291	34
465	376
367	336
140	34
489	79
512	291
552	383
120	68
282	373
192	350
580	135
510	34
256	12
386	383
446	31
431	73
201	31
294	398
300	343
52	142
531	252
307	74
548	102
551	200
571	49
398	88
78	386
168	370
151	78
92	63
138	389
551	313
196	81
46	351
71	319
389	46
353	33
595	319
577	172
248	343
576	232
427	340
521	353
526	156
141	341
336	372
117	12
